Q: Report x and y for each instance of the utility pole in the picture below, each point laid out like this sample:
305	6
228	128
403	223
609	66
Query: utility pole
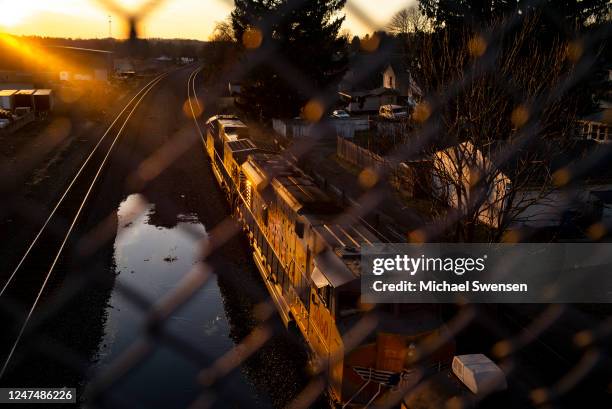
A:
110	27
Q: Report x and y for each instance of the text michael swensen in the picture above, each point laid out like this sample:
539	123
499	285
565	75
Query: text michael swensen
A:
413	265
443	286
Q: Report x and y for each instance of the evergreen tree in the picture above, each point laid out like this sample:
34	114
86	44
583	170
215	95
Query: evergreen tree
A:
563	14
307	56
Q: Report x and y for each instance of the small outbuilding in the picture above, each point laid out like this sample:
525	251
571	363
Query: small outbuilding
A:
25	99
43	100
7	99
479	373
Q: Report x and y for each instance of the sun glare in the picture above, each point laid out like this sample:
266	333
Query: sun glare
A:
13	12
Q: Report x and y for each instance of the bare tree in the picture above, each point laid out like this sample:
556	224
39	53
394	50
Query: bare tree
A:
223	31
222	51
492	166
346	34
409	20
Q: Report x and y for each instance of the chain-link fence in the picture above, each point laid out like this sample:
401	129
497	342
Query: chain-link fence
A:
552	355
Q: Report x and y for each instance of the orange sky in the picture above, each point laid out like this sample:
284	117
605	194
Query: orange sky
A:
171	19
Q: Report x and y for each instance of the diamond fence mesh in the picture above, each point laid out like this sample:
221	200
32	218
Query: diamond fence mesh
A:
553	355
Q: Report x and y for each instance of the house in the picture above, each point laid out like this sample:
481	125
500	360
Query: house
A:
368	102
452	181
397	76
535	203
391	84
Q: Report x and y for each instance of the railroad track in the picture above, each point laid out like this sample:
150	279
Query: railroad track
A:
23	291
192	97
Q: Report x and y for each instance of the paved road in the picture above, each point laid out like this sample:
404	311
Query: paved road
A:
159	163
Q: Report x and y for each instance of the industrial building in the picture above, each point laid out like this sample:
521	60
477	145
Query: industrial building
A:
41	63
57	63
80	64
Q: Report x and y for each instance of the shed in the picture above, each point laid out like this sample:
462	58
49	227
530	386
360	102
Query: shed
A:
25	99
7	99
43	100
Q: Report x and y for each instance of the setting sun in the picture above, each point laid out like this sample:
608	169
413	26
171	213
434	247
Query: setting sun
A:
89	18
17	12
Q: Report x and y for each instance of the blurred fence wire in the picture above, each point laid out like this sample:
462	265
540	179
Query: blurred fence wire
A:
588	338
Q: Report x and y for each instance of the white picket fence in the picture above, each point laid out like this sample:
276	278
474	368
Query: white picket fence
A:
297	128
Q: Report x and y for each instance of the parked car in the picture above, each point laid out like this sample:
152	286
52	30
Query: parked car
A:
340	113
393	112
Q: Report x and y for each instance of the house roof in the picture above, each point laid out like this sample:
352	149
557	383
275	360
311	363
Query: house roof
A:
376	92
89	50
400	67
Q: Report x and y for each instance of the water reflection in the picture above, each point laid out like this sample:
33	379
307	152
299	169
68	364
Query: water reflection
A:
153	259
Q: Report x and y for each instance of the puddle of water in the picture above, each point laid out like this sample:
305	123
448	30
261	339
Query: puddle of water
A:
152	260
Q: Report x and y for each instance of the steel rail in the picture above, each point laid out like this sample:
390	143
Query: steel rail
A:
191	86
140	97
146	88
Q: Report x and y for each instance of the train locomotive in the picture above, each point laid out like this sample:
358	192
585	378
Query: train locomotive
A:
310	264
